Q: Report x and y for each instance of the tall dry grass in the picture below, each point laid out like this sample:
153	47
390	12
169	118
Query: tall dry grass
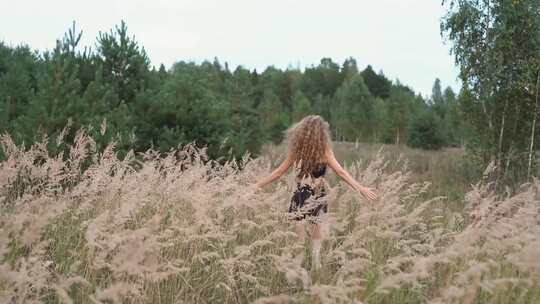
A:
86	227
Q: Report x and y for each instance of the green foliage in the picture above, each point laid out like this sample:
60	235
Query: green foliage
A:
497	48
273	116
400	110
17	81
125	64
378	84
425	132
301	106
452	121
352	114
118	95
323	79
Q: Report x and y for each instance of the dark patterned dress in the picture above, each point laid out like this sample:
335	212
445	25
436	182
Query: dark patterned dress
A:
309	200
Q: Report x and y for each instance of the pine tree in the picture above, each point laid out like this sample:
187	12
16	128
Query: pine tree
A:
301	106
125	64
273	116
378	84
17	83
353	110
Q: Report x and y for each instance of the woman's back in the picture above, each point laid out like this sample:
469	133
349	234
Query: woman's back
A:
316	171
319	170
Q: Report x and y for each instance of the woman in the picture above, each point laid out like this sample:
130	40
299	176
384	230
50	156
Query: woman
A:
309	150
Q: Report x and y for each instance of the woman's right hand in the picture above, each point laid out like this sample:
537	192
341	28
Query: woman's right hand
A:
367	193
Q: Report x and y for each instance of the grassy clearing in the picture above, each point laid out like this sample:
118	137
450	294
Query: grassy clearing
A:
182	230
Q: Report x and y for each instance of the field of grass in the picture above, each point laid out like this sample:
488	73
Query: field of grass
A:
175	228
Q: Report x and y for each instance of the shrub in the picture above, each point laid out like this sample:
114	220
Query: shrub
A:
425	132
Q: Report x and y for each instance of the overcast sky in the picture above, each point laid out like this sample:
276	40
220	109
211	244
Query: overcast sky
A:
400	37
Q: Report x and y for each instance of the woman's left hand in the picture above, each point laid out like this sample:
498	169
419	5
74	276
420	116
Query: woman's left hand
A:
367	193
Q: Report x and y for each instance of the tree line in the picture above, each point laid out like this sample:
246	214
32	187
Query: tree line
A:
496	44
115	92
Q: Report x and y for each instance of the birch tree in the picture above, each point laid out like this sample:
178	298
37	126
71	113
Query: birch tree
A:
495	44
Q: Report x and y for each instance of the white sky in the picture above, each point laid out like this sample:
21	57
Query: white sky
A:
401	37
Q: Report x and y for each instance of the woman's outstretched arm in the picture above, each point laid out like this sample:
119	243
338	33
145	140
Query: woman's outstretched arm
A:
285	165
334	164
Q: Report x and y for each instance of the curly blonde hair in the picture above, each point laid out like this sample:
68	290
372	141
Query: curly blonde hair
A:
307	143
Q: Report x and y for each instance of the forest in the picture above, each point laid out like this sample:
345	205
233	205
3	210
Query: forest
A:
229	112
